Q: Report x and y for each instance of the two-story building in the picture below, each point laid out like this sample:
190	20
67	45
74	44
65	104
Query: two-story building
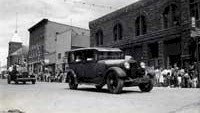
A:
14	45
50	41
155	31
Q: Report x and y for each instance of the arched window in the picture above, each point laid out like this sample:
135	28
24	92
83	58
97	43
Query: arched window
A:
195	9
140	25
99	37
117	32
171	16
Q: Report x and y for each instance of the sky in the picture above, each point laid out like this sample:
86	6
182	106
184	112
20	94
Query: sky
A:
29	12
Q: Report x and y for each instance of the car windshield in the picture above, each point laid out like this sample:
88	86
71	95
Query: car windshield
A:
111	55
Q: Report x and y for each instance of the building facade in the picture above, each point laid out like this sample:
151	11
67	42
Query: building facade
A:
154	31
14	45
20	55
49	42
67	40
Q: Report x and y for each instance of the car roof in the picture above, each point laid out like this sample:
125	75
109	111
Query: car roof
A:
99	49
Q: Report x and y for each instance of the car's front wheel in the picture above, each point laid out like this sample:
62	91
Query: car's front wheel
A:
114	83
146	87
72	83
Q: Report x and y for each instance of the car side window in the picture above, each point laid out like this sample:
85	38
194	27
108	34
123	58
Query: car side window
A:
79	56
71	57
90	55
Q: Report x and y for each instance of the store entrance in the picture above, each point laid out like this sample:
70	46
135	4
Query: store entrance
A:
172	52
175	59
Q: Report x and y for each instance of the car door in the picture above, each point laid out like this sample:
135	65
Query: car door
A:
77	65
90	65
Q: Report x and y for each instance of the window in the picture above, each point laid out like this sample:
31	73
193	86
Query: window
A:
71	57
117	32
79	56
99	37
90	55
140	26
59	55
171	16
195	9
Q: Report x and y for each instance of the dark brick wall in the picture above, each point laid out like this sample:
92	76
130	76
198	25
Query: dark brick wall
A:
36	44
13	46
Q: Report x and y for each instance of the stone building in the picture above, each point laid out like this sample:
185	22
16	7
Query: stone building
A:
20	55
50	41
155	31
14	45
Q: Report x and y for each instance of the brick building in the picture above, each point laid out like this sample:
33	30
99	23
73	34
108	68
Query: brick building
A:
48	43
14	45
154	31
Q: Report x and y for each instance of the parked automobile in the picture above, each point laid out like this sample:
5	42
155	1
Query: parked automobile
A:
4	74
20	74
101	66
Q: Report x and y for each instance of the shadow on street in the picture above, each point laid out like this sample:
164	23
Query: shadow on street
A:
104	90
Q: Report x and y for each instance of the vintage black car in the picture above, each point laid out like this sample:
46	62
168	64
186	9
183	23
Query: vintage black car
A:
20	75
101	66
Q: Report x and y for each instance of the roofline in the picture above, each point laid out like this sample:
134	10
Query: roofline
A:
44	21
14	42
38	24
69	25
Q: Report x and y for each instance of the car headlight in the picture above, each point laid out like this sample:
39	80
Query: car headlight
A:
142	65
127	65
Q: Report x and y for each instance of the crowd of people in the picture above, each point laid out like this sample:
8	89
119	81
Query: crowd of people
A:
164	77
176	77
48	76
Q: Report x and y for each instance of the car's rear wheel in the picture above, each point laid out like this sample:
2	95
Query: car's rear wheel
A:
24	82
72	83
146	87
114	83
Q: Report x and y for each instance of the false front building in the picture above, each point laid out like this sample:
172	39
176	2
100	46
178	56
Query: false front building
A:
154	31
49	43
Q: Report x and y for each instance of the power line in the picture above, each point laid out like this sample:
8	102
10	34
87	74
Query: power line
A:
90	4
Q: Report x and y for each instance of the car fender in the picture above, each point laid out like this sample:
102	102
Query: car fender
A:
73	74
119	71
